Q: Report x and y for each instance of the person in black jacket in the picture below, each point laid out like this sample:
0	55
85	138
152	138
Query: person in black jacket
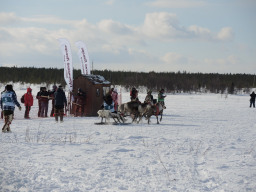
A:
252	100
51	94
38	96
60	103
108	103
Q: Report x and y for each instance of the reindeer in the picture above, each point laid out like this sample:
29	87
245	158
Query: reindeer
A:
130	108
156	110
143	109
134	109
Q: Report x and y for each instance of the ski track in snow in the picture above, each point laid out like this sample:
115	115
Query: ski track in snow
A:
204	143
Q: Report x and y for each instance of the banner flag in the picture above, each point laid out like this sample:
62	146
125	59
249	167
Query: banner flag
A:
67	58
84	58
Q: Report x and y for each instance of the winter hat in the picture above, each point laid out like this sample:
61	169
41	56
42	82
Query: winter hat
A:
8	87
54	87
29	89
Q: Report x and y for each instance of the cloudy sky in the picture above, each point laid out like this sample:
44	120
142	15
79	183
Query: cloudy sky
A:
133	35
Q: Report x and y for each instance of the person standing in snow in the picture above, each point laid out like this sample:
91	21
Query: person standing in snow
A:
79	101
28	102
8	102
60	103
38	96
44	97
252	100
51	93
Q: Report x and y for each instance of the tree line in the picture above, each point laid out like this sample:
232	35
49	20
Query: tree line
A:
170	81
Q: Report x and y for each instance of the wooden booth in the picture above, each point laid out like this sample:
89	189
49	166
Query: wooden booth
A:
95	87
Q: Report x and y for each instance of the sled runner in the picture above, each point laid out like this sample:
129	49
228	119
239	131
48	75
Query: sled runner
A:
111	123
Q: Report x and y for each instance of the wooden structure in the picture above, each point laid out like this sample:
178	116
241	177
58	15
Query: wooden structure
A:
95	87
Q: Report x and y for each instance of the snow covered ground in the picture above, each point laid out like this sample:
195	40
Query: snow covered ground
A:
204	143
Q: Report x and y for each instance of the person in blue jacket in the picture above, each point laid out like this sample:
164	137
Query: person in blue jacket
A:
8	102
108	103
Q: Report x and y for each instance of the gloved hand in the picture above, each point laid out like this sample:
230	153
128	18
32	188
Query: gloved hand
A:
20	108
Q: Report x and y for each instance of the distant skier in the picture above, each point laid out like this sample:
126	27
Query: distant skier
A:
60	103
252	100
28	102
8	102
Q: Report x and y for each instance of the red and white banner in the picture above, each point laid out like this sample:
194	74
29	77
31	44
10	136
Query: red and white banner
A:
67	58
84	58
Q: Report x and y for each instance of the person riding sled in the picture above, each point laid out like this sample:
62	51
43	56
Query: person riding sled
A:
108	103
149	98
161	97
134	94
114	96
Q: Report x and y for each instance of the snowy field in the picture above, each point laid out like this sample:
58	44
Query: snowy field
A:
204	143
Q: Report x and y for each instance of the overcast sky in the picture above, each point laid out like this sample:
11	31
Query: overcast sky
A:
133	35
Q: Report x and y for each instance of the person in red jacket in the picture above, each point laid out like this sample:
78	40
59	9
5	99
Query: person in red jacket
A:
28	102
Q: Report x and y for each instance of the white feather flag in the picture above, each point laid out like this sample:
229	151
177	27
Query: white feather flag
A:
67	58
84	58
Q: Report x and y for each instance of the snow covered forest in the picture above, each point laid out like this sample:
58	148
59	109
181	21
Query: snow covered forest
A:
170	81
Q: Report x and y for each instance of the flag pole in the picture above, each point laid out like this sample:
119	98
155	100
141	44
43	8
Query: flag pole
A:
92	67
253	81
